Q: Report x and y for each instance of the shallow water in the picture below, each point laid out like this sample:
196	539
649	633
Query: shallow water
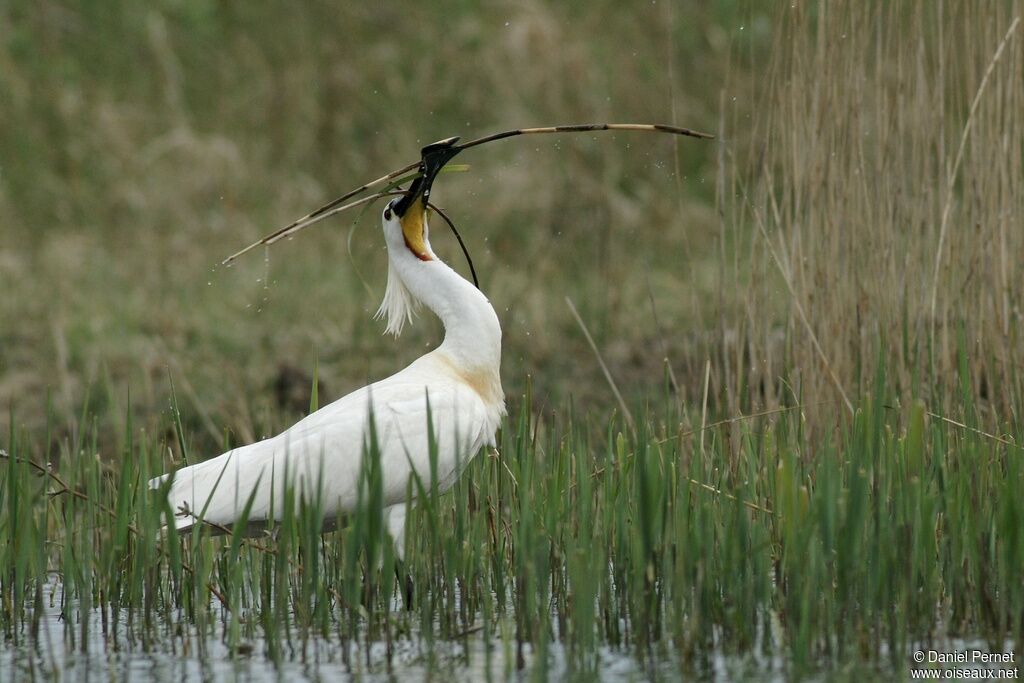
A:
178	654
57	654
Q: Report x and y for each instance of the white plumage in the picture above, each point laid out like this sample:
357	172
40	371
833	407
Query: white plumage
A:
460	379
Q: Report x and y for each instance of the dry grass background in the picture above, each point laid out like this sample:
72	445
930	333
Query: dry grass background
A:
887	177
141	144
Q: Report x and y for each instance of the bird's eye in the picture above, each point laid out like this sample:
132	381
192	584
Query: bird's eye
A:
387	214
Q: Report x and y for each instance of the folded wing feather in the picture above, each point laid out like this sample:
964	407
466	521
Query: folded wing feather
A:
322	455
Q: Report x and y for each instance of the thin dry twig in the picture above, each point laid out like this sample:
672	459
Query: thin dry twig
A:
704	402
604	368
68	490
961	425
739	418
664	343
281	234
320	214
720	492
800	309
951	179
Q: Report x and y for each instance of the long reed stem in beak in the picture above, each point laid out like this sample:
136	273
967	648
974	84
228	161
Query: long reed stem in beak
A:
338	205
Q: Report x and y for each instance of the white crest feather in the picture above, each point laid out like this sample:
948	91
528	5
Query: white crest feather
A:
399	305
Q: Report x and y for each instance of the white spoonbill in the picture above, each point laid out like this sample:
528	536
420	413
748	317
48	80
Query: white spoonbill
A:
322	455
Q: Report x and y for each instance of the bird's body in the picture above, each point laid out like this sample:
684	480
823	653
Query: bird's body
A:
327	447
321	457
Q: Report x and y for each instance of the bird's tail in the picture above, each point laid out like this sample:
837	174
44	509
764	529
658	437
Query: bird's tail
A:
205	493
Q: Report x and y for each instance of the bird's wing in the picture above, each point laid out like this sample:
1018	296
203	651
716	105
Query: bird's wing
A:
323	453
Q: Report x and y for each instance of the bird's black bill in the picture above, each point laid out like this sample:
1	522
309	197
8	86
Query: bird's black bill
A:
433	157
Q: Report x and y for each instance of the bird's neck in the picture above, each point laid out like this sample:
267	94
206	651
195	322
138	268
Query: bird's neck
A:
472	340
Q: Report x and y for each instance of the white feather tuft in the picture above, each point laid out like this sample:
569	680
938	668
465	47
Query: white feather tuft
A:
399	305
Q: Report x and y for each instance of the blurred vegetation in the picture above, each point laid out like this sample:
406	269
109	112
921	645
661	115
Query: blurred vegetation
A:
143	142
